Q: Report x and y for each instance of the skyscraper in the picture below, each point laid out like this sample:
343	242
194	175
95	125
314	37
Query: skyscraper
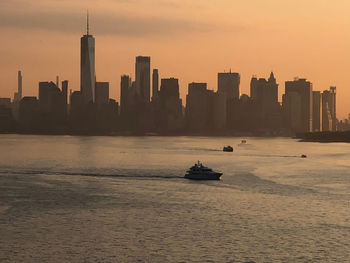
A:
329	109
125	84
169	114
298	97
143	78
228	84
19	92
87	66
264	91
18	95
316	111
155	84
102	93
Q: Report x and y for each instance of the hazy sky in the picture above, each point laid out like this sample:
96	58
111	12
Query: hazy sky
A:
189	39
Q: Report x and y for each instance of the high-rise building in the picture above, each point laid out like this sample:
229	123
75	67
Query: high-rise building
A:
65	91
199	107
169	88
298	104
264	91
155	84
19	92
329	109
253	88
219	111
228	84
169	114
87	66
264	95
102	93
29	113
143	78
125	84
18	95
65	96
316	111
52	104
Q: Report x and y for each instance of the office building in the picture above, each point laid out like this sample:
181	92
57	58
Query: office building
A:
125	84
155	84
102	93
264	91
143	78
329	109
298	105
18	95
87	66
316	111
52	104
169	114
29	113
199	108
228	84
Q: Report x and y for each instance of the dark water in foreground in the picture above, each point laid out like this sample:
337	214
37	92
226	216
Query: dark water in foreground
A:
123	199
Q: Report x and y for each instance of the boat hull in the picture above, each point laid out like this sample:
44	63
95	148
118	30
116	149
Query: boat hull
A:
203	176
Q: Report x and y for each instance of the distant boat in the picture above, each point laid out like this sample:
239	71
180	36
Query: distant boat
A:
303	156
243	142
200	172
228	149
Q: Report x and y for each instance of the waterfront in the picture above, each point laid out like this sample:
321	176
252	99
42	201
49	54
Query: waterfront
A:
123	199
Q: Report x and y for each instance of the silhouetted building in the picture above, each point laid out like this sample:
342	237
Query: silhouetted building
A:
53	107
298	105
102	93
143	78
6	102
329	118
82	117
29	114
7	122
169	116
76	107
87	66
65	91
243	116
316	111
264	91
228	84
219	111
65	97
125	84
329	109
134	110
199	108
253	88
264	94
18	95
155	84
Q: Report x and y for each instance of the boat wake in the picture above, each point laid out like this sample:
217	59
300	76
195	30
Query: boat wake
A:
129	174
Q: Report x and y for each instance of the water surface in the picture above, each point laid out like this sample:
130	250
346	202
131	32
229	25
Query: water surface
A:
124	199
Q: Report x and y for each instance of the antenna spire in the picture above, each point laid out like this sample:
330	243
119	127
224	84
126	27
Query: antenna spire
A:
87	22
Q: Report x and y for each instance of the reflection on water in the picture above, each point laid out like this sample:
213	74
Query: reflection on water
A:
124	199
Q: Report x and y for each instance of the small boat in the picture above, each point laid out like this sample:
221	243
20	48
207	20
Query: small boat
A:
303	156
228	149
243	142
200	172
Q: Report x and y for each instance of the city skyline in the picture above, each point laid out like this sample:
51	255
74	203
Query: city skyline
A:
188	65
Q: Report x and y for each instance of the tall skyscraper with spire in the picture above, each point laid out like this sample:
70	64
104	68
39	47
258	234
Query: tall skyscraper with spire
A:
87	65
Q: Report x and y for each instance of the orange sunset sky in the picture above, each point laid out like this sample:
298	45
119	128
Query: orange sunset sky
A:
189	40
